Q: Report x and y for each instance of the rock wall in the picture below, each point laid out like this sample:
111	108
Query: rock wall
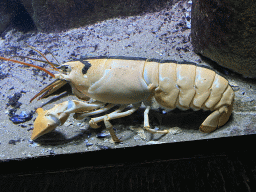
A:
59	15
225	32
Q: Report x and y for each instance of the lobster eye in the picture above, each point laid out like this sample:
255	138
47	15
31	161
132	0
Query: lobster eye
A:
65	68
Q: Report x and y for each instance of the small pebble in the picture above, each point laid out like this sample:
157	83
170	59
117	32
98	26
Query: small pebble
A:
188	25
51	152
153	142
22	117
103	147
164	112
102	135
30	128
13	142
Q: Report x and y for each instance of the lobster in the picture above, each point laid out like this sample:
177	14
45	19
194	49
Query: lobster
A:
109	82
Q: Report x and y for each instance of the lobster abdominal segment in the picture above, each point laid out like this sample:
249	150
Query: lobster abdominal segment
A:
188	86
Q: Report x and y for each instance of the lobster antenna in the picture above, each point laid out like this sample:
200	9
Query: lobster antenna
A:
31	65
43	56
25	57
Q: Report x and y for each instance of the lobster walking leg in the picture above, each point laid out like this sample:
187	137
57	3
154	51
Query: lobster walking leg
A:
80	116
109	127
114	115
48	120
147	126
94	121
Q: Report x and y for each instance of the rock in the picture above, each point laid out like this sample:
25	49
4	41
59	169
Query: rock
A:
225	32
6	16
58	15
13	14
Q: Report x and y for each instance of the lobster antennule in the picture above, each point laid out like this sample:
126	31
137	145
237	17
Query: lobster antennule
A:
31	65
52	65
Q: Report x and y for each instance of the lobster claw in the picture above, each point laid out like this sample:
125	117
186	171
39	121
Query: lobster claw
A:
46	122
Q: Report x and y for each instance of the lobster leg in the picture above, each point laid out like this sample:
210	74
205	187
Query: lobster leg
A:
109	127
94	121
114	115
80	116
147	126
48	120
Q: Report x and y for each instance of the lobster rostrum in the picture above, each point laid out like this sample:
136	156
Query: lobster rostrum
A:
111	82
